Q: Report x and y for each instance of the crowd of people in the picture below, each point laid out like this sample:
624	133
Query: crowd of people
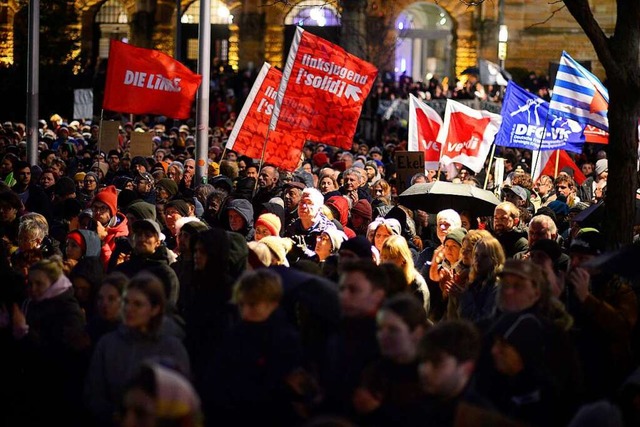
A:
135	295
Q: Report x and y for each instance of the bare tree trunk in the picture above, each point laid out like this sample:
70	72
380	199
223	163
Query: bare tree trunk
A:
620	57
622	180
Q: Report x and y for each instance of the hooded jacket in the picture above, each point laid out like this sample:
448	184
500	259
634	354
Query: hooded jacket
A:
245	209
340	205
109	242
92	243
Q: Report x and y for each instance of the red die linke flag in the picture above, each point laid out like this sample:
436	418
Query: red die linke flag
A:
424	126
249	133
467	134
146	81
321	94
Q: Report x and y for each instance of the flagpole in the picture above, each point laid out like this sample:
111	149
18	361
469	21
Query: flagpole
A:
264	150
204	69
33	85
555	175
440	161
486	178
544	130
100	130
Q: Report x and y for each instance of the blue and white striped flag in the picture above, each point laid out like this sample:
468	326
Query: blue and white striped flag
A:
579	95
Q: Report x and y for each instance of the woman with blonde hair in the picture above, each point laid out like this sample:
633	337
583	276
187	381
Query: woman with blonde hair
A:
478	301
396	250
327	184
381	195
454	281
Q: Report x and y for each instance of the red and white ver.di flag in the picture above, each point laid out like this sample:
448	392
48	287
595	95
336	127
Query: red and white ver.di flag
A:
467	134
424	126
322	92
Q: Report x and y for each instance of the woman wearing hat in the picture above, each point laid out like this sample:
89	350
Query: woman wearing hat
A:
267	224
90	186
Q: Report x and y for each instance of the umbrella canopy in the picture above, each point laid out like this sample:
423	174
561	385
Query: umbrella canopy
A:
623	261
471	70
436	196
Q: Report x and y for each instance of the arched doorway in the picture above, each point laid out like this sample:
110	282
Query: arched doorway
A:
111	23
425	34
221	19
318	17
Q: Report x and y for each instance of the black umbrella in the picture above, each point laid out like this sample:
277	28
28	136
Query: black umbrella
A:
591	216
471	70
623	261
436	196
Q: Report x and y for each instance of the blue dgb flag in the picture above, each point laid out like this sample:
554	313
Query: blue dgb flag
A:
523	117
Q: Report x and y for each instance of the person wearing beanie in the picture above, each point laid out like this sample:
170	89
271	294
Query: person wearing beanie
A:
320	160
90	186
259	255
339	207
139	164
110	222
267	224
173	211
594	188
78	180
125	198
101	169
456	235
361	215
279	248
65	188
166	188
328	243
356	247
371	169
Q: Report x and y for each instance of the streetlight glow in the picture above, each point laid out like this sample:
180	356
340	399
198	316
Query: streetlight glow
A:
503	34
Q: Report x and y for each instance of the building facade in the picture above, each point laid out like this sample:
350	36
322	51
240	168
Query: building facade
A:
418	38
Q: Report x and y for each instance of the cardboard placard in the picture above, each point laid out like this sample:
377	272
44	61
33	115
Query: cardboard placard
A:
141	144
408	164
108	137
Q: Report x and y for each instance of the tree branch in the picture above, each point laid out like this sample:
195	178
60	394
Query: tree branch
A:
581	11
553	13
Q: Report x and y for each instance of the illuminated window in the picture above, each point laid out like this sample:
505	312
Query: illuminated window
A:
318	13
219	13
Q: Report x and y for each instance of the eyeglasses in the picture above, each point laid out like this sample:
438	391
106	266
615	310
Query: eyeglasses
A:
89	181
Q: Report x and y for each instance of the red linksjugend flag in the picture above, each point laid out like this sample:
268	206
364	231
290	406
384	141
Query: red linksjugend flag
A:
250	130
467	134
424	126
321	94
146	81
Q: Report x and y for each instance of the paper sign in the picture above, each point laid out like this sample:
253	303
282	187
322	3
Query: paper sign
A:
141	144
108	137
408	163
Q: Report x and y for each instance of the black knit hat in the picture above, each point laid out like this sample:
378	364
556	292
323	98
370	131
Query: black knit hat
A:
65	186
